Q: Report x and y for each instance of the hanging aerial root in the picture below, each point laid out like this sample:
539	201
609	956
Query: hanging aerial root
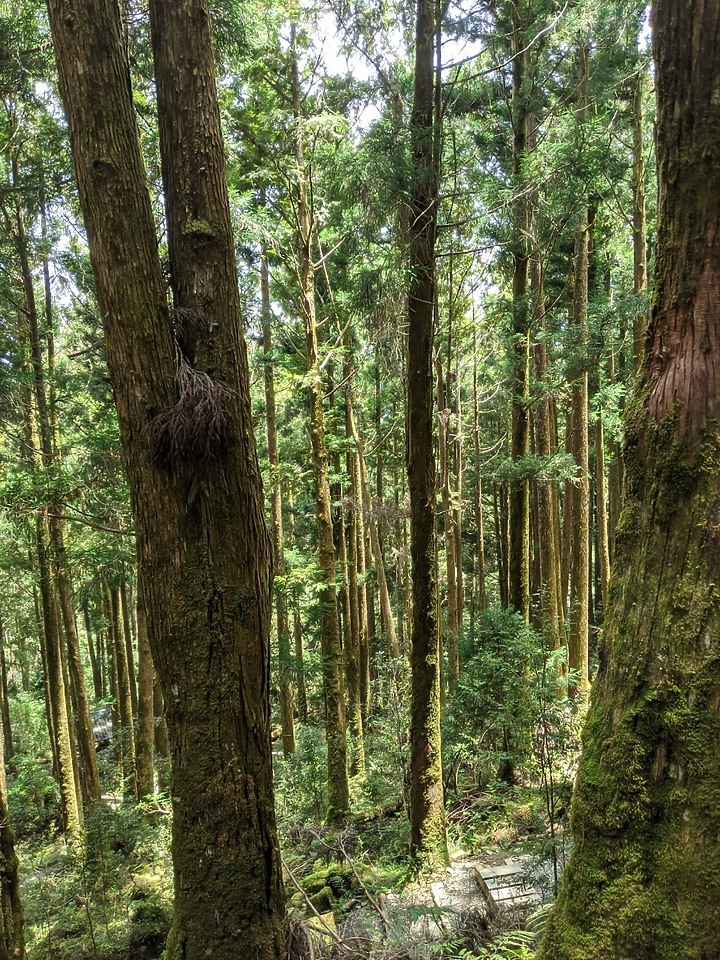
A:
195	428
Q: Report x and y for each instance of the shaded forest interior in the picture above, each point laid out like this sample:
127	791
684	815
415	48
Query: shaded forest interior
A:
352	463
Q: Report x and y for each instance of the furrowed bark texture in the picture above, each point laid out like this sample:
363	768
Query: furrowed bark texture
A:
204	550
643	882
428	841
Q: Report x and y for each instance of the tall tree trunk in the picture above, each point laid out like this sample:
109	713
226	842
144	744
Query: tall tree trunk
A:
302	703
338	787
161	744
603	548
145	729
644	876
479	531
428	842
71	802
372	527
519	486
12	930
352	635
129	651
450	562
285	656
547	535
8	748
127	729
185	419
639	221
578	594
92	653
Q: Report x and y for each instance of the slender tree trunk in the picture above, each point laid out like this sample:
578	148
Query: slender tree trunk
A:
338	787
285	656
603	548
428	842
578	595
302	704
479	532
145	731
127	731
71	802
161	744
93	654
352	635
644	876
639	221
519	486
372	528
548	538
450	562
12	931
8	748
129	651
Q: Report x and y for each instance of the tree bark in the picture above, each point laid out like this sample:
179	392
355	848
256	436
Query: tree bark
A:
428	842
184	411
644	876
579	561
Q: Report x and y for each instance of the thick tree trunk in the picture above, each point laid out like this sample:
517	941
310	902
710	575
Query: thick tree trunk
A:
184	411
428	842
644	877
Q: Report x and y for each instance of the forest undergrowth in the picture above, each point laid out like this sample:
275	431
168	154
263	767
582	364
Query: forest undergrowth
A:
351	890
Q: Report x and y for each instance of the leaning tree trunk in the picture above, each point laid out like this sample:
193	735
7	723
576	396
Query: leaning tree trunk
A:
644	877
428	841
184	411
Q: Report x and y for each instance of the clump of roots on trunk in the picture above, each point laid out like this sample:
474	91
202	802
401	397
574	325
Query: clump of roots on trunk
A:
195	428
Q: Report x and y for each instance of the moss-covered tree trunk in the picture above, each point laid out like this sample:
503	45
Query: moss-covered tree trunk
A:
643	882
428	842
183	398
